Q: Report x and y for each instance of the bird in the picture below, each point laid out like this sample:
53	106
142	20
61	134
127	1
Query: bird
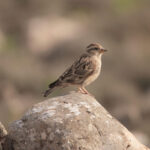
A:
82	72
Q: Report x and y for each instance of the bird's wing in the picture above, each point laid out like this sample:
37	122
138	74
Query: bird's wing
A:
79	71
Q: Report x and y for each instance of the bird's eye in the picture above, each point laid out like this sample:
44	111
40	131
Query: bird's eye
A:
96	48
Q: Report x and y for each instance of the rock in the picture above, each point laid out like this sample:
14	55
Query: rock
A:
3	132
71	122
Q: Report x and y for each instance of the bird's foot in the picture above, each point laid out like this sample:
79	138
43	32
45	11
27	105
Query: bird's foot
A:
84	91
81	91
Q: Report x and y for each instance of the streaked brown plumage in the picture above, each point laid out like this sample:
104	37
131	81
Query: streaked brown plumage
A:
83	71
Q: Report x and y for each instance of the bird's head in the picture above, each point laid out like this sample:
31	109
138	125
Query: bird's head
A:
95	49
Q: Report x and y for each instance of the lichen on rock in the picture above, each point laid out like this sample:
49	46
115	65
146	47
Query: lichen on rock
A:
71	122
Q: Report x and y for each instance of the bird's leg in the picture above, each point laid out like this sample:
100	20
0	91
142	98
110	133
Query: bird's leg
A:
86	92
81	90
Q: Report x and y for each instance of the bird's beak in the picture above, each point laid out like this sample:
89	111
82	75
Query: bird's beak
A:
104	50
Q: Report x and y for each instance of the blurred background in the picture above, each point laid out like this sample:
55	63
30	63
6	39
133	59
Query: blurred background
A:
40	39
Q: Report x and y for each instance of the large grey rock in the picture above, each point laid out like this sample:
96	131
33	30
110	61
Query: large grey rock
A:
3	132
72	122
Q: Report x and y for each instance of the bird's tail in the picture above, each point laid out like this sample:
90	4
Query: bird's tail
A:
51	88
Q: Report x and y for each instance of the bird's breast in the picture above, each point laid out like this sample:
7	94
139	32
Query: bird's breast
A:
94	76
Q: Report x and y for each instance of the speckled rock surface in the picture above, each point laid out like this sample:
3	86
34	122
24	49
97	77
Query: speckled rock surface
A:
71	122
3	132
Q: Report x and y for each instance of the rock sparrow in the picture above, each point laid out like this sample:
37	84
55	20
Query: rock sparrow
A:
83	71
